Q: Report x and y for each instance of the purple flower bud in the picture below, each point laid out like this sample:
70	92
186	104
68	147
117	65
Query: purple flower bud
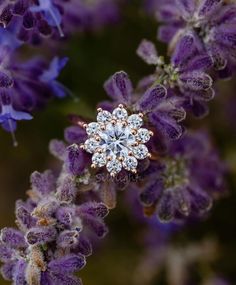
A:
147	51
75	160
151	193
57	148
41	235
68	239
119	87
13	238
19	272
196	81
64	215
208	7
62	279
43	182
92	208
166	210
66	191
24	218
75	134
67	264
84	246
96	225
151	98
166	125
5	252
7	270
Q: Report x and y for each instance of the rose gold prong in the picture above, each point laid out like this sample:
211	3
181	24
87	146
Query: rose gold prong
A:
151	133
134	171
141	115
99	150
135	144
99	110
93	165
103	127
82	146
97	138
121	159
130	153
149	155
84	126
112	174
109	158
121	106
134	132
113	122
124	124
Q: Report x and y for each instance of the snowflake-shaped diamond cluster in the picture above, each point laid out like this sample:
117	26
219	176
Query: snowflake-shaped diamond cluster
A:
117	140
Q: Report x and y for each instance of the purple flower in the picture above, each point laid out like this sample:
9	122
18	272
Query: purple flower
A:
185	182
212	24
153	102
54	233
33	21
186	76
26	87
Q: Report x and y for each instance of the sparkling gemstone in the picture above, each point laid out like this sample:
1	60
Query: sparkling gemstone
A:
143	135
99	159
91	145
104	117
117	140
140	151
92	128
135	121
130	163
120	113
114	166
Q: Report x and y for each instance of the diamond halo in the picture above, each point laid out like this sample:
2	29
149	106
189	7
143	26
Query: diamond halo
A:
117	140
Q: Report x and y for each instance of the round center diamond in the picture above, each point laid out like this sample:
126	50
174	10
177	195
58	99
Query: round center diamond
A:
117	140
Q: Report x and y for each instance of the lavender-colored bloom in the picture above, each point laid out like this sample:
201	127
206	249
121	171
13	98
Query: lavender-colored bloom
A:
26	87
152	102
212	24
34	21
184	183
185	77
54	233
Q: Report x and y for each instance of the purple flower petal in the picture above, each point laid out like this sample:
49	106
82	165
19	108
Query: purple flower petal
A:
41	235
67	264
44	182
147	51
151	98
75	134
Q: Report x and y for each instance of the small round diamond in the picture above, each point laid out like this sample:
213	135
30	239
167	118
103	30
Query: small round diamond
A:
91	145
130	163
92	128
135	121
120	113
143	135
99	159
114	166
140	151
104	117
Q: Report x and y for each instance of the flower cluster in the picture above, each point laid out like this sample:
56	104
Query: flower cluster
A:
55	229
32	21
210	23
26	86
